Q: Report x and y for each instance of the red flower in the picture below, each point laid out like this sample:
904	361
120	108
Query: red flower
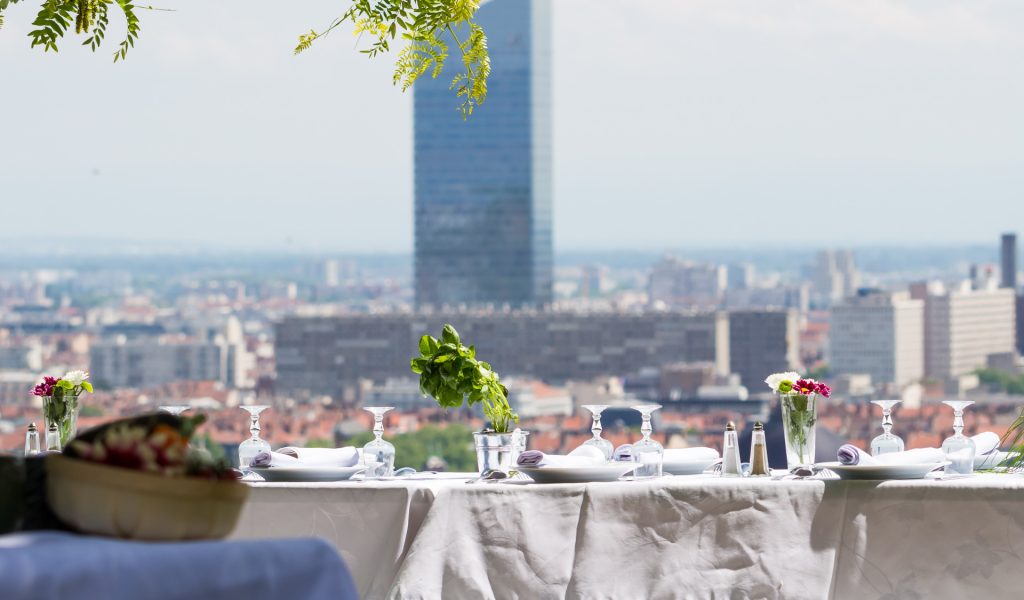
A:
46	387
805	386
824	390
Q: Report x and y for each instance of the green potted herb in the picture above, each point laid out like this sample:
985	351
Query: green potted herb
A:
451	374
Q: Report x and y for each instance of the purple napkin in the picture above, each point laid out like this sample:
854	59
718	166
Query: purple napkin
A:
623	453
530	458
262	459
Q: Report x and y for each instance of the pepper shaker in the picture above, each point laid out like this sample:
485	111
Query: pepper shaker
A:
758	453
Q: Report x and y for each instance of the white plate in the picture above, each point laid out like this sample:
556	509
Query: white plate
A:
686	467
307	473
576	474
881	472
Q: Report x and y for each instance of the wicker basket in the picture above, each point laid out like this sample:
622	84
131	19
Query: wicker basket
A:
122	503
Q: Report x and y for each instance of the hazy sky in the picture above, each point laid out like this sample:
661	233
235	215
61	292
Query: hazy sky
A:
676	123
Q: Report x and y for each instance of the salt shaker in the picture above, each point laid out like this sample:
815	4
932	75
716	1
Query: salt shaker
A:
758	453
52	439
731	453
32	440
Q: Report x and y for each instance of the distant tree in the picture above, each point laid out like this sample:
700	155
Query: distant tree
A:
90	410
319	443
453	443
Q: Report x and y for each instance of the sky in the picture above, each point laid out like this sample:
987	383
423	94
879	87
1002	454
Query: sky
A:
696	123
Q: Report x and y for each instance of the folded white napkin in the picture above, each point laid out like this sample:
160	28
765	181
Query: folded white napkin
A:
690	454
315	457
584	456
985	443
852	455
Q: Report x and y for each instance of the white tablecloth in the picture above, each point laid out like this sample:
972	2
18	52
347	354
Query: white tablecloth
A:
677	537
57	566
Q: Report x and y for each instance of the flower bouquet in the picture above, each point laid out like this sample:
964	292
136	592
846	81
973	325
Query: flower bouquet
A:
798	398
139	478
60	402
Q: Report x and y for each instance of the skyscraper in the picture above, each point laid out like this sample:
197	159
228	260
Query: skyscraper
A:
483	185
878	334
1009	262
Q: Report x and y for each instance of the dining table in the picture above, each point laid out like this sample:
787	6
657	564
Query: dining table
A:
449	535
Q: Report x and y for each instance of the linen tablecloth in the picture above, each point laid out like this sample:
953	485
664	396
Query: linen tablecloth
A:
676	537
56	565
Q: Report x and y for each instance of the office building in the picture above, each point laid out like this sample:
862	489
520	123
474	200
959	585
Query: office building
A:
762	342
835	276
1009	261
150	362
681	283
483	185
964	326
879	334
323	355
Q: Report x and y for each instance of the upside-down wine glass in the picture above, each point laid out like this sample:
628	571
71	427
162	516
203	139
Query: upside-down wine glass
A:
959	449
597	441
648	455
887	442
379	454
248	449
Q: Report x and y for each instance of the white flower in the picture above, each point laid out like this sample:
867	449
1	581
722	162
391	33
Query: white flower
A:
775	379
75	377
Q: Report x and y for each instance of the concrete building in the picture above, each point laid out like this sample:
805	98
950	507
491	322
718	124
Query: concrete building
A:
681	283
762	342
148	362
879	334
964	326
483	224
1008	264
323	355
835	276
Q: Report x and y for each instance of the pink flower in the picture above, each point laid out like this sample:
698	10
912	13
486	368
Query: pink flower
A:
824	390
46	387
805	386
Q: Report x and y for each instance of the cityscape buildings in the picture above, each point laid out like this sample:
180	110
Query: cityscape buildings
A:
323	355
964	326
678	282
1008	261
483	186
762	342
880	334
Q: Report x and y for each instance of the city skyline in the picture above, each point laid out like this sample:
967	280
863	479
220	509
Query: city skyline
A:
901	108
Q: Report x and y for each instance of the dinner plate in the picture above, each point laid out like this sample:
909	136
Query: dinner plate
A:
576	474
905	471
307	473
686	467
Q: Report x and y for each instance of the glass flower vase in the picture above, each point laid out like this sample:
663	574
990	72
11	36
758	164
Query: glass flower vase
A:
799	415
63	411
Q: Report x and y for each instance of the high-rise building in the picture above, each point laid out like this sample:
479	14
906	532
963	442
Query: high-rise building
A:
835	275
964	326
324	355
678	282
741	276
1009	261
483	185
762	342
878	334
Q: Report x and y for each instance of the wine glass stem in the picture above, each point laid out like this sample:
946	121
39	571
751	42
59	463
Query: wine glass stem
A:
887	421
958	422
596	427
378	426
254	426
646	427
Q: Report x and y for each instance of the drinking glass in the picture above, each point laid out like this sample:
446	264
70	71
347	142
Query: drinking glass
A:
887	442
597	441
379	454
648	455
959	449
248	449
175	409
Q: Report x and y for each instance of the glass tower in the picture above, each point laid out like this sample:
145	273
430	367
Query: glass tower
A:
483	185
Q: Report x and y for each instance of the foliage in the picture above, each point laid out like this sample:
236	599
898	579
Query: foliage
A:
90	410
1002	381
450	374
422	26
1014	442
319	443
452	443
